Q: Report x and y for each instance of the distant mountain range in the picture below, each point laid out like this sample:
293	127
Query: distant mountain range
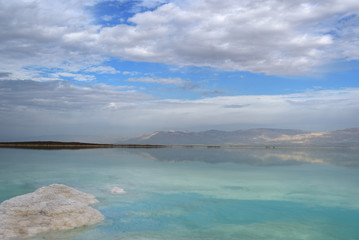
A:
258	136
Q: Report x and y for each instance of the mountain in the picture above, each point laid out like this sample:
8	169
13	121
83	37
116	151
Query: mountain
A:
258	136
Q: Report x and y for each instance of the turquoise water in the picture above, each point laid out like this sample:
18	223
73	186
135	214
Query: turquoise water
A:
200	193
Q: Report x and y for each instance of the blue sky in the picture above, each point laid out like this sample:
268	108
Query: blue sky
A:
121	68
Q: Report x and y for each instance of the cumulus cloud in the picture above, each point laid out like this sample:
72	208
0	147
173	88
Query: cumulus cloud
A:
274	37
32	36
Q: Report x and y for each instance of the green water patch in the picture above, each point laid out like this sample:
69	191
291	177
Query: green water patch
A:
195	216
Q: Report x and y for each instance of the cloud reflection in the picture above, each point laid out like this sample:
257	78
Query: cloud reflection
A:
346	157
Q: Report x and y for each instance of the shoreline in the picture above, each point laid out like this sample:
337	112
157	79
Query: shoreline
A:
55	145
71	145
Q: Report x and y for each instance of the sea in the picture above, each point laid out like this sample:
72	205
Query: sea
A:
249	193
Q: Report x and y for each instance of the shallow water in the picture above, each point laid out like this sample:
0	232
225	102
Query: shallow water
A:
200	193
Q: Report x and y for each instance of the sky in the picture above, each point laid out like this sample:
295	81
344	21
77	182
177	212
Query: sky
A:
121	68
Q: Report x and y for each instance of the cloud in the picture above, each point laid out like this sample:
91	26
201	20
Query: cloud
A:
62	96
107	18
180	84
236	106
75	76
215	92
151	4
5	74
59	107
175	81
102	70
37	35
274	37
315	110
130	73
188	85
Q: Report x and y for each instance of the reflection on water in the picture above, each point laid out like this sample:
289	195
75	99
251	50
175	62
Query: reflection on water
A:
199	193
347	157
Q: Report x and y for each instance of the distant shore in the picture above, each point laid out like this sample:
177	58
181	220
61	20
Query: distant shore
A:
71	145
48	145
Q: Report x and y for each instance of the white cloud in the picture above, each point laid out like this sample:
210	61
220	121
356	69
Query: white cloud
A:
275	37
102	69
129	73
75	76
107	18
103	86
33	35
175	81
152	3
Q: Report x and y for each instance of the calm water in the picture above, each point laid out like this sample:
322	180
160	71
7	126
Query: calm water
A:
200	193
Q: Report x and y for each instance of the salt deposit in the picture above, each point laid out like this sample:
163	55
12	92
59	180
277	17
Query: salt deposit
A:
117	190
55	207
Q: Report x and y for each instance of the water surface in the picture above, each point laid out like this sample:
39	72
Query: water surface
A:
304	193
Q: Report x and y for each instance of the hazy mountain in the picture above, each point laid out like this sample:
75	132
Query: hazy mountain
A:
258	136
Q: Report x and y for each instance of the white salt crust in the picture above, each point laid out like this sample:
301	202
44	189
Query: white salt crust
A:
55	207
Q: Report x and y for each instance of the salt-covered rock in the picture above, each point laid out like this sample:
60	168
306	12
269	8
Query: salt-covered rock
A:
55	207
117	190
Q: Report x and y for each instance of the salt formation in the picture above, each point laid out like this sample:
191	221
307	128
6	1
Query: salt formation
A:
55	207
117	190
